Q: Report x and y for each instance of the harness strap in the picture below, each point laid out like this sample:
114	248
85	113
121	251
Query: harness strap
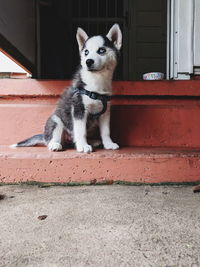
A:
95	96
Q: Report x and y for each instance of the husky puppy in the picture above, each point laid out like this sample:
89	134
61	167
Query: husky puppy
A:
86	103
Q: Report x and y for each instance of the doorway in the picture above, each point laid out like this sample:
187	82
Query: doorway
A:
143	23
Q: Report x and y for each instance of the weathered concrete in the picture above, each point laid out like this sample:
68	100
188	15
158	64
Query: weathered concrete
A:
99	226
138	165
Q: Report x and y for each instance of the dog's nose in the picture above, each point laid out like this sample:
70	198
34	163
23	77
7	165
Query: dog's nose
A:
89	62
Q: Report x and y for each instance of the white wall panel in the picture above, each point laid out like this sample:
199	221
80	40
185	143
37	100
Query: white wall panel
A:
197	33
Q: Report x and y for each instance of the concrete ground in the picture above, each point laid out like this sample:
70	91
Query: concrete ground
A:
99	226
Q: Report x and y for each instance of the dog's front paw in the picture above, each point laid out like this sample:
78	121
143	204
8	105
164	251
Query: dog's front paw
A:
111	145
54	146
84	148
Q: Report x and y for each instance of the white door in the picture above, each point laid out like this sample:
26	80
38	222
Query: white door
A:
197	37
183	38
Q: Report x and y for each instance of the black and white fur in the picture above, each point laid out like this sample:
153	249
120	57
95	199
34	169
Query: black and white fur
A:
71	122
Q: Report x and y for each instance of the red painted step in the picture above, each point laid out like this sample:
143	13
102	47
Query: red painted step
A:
153	165
151	114
158	122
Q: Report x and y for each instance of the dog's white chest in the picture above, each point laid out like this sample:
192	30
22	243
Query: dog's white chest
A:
91	105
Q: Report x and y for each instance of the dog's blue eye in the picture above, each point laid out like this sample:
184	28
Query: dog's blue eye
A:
86	52
101	50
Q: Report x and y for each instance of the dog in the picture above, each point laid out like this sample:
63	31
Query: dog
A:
85	105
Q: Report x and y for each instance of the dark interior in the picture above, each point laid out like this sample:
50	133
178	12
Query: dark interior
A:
143	23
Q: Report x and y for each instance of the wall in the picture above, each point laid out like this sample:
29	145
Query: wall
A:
17	25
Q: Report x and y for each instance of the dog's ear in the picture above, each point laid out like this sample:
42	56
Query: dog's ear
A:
81	37
115	35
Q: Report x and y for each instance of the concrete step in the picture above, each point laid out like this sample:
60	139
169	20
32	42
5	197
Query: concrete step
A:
145	114
135	165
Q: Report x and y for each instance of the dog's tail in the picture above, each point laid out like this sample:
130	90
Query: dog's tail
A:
37	139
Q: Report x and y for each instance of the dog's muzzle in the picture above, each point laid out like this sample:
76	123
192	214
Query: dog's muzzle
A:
89	63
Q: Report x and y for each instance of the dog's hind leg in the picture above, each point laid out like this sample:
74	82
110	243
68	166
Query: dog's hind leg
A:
53	133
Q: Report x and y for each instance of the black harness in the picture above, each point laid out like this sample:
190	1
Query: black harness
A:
95	96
